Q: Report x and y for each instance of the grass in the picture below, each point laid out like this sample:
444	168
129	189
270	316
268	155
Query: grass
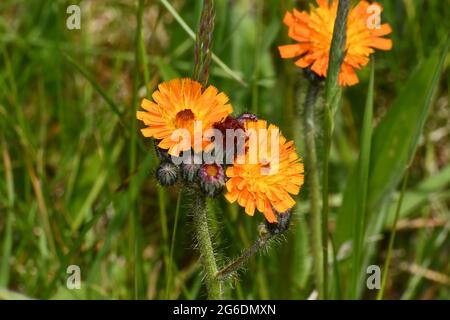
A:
77	179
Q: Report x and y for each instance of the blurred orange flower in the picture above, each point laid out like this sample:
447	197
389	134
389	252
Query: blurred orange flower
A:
177	105
267	183
314	31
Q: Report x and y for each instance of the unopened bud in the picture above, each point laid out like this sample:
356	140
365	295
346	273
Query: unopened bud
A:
167	174
282	224
212	179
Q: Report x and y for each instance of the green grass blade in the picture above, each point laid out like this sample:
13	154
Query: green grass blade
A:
362	183
172	245
392	239
332	98
8	233
420	195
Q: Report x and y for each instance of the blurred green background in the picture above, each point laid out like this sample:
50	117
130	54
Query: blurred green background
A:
77	179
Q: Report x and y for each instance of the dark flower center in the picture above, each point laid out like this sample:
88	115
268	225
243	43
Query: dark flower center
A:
184	119
212	170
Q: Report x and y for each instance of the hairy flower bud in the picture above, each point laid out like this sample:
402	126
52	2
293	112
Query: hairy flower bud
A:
247	116
189	171
162	154
167	174
282	224
212	179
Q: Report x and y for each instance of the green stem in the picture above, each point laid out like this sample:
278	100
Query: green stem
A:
332	98
392	238
239	262
327	145
257	54
312	174
205	245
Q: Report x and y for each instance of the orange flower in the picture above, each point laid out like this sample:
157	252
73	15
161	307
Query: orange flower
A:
177	105
265	184
314	32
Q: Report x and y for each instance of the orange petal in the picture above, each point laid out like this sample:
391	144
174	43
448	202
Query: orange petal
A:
288	19
381	43
385	29
303	63
231	196
250	208
291	50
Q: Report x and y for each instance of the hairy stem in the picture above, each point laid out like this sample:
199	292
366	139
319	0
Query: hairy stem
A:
312	174
239	262
205	245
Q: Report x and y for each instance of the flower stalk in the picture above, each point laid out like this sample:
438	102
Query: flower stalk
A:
312	169
240	261
332	98
205	245
266	233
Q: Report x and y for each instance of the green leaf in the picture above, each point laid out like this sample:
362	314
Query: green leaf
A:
393	145
396	137
362	184
419	196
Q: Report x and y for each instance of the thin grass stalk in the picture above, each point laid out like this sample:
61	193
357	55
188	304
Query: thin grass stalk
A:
312	175
172	245
363	181
332	98
392	238
8	229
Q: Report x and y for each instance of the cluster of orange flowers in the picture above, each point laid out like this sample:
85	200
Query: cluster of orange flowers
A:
313	33
179	103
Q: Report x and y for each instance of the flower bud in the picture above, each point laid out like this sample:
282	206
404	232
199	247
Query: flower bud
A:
312	76
247	116
212	179
282	224
167	174
189	171
162	154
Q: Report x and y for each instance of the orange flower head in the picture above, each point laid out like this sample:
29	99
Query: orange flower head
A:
264	177
314	32
179	104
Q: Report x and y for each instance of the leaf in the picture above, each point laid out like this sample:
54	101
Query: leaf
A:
420	195
362	184
393	145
